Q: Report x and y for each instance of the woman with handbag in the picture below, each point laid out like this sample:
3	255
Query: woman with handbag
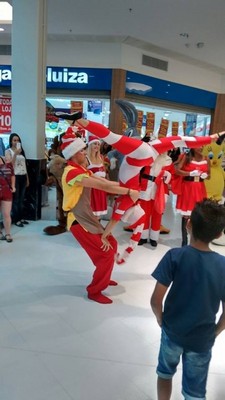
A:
7	188
15	154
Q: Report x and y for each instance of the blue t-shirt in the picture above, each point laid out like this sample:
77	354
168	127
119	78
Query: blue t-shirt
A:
197	280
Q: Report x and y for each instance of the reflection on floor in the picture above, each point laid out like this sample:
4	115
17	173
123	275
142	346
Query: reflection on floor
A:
57	345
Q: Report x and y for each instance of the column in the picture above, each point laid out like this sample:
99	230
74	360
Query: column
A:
29	91
218	120
117	92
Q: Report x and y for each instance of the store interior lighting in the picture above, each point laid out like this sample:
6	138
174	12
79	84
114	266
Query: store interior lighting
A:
5	13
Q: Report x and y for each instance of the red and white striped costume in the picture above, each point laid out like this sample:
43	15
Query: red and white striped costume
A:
137	155
151	178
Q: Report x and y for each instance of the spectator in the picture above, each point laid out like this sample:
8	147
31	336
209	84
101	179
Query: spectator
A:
16	155
7	188
194	277
96	165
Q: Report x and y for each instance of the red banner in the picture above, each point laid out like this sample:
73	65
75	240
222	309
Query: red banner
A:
150	123
175	128
76	106
140	120
163	128
5	114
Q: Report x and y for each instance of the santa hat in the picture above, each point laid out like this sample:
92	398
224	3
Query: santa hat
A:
71	144
93	139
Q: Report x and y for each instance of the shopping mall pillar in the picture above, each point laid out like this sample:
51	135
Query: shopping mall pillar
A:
29	91
117	92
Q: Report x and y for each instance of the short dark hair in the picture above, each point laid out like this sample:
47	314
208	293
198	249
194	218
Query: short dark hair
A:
207	220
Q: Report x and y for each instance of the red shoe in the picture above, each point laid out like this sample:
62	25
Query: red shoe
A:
99	298
113	283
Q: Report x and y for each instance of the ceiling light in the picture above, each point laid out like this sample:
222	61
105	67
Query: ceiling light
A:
199	45
2	29
5	13
185	35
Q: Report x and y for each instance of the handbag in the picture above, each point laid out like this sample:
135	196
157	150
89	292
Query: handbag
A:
5	178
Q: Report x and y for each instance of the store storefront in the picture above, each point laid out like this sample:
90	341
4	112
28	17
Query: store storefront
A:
162	106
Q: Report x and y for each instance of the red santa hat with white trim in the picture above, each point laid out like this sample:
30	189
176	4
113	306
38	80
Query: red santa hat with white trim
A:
93	139
71	144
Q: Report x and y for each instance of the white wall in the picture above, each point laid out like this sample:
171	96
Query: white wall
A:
116	55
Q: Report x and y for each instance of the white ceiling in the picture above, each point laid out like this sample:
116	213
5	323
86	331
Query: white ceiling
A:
153	25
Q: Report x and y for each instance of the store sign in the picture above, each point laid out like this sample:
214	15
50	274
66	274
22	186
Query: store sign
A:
5	114
68	78
169	91
5	75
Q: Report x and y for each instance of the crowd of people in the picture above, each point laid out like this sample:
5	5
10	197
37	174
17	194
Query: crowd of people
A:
186	276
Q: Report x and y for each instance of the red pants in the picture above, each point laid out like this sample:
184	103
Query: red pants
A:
102	260
153	219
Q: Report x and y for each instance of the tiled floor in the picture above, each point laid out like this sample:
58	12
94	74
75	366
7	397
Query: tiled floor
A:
57	345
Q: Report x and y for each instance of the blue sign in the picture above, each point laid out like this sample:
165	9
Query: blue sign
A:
169	91
68	78
101	79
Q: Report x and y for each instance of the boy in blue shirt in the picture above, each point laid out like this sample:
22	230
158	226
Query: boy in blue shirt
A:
196	277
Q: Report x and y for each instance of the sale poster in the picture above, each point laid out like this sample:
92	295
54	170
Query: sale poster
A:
175	127
163	128
150	124
140	120
76	106
5	114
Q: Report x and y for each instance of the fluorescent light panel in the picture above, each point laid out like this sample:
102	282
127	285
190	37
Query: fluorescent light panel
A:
5	13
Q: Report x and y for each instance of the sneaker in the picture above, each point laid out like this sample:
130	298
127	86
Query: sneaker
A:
24	222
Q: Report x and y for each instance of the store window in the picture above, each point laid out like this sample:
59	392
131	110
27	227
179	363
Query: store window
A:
151	118
94	109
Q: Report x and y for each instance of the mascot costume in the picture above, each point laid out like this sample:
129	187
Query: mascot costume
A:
138	154
215	184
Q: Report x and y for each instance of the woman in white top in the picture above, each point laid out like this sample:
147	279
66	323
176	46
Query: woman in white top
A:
15	154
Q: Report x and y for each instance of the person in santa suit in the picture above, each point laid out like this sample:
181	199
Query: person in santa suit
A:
194	167
137	155
96	165
154	192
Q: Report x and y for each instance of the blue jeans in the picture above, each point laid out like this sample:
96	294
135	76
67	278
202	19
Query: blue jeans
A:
195	367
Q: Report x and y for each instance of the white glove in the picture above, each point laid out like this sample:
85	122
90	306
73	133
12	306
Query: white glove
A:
167	177
204	175
113	162
196	172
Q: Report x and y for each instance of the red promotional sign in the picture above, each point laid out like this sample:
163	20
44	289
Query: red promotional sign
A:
5	114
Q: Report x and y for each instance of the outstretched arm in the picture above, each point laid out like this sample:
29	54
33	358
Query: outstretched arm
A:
108	186
142	151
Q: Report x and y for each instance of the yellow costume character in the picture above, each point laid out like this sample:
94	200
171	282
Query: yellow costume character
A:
215	184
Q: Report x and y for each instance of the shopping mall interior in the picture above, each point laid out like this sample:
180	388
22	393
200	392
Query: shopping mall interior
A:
55	343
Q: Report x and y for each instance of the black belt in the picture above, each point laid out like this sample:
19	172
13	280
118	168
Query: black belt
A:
149	177
75	222
193	179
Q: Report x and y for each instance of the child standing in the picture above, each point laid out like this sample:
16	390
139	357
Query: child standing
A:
197	278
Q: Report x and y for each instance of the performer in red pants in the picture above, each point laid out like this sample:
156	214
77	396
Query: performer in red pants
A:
137	155
77	183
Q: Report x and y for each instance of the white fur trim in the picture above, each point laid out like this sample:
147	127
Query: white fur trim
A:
73	148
